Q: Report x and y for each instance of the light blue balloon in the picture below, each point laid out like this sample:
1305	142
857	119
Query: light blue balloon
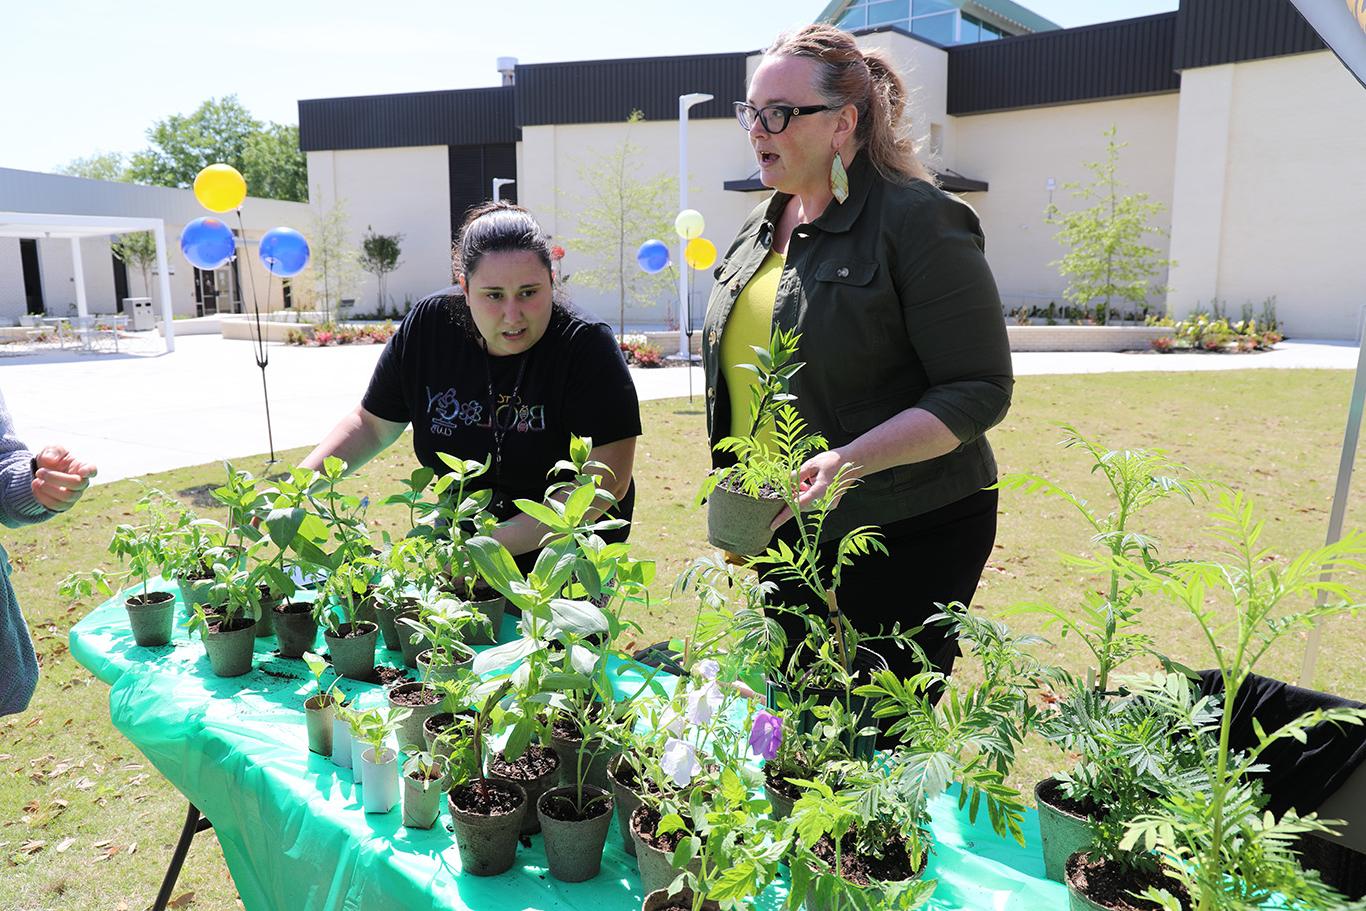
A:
653	256
284	251
207	243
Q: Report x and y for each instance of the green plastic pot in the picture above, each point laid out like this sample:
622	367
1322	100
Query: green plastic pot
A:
1061	833
150	617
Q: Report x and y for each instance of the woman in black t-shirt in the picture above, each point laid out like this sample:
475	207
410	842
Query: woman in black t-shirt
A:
499	366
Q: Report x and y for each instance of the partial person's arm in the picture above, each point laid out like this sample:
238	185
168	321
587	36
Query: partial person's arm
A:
357	438
522	534
954	321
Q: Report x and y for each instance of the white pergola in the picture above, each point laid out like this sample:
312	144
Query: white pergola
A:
75	227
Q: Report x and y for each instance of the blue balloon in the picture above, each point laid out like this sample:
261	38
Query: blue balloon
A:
653	256
207	243
284	251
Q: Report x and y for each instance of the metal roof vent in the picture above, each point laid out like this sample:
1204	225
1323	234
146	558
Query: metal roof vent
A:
508	67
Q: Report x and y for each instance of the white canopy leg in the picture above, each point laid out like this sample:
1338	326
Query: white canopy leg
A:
164	285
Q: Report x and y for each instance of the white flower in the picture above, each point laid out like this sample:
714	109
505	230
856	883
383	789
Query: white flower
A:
671	721
707	668
680	761
703	703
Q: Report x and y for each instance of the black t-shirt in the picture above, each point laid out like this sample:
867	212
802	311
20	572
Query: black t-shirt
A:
434	374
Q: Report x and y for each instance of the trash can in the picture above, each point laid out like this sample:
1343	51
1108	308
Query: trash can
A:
141	316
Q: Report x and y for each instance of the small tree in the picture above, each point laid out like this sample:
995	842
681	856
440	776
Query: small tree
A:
336	269
139	250
1107	259
379	257
621	212
99	166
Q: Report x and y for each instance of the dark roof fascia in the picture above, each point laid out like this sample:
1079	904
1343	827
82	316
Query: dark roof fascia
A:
454	117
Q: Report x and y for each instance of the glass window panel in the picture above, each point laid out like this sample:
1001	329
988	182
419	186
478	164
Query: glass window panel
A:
988	33
856	17
970	31
888	11
927	7
939	28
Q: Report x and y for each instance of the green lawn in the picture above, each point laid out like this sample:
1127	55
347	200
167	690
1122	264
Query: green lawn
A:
88	825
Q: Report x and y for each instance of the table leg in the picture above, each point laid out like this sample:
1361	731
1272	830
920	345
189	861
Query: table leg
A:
194	824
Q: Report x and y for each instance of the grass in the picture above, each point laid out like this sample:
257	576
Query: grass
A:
89	825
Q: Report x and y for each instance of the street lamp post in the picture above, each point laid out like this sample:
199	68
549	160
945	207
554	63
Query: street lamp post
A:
684	103
498	184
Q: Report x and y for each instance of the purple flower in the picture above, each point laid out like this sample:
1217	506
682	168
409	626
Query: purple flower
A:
766	734
680	761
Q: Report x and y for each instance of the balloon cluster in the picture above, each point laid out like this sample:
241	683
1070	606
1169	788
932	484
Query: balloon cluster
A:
207	242
699	253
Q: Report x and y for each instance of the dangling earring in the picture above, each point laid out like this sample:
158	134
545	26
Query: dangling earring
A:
839	179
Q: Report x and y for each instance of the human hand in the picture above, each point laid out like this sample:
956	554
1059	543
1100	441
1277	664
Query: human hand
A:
60	480
814	479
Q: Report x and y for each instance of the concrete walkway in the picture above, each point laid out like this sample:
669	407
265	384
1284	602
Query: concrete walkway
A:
136	413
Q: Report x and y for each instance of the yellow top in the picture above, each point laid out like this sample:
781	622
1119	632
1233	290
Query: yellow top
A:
750	323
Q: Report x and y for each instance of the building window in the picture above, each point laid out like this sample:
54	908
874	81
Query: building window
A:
969	29
855	18
288	293
930	7
888	12
941	28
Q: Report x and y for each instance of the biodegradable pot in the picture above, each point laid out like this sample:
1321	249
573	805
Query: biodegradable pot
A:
386	615
404	696
866	661
230	650
295	629
1062	833
150	617
874	890
487	843
379	779
780	802
422	796
265	624
341	743
353	655
568	750
463	659
196	591
319	716
1082	879
739	523
499	769
656	866
487	602
625	798
405	640
573	847
683	898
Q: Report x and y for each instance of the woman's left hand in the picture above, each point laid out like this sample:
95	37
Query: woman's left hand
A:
814	479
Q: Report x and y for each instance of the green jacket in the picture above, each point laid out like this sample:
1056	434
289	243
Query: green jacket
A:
897	307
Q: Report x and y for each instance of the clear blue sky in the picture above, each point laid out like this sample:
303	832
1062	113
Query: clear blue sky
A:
81	76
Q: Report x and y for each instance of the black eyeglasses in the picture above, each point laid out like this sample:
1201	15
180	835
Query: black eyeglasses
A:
774	117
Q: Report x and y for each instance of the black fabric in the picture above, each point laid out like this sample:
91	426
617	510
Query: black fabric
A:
1298	775
435	375
933	558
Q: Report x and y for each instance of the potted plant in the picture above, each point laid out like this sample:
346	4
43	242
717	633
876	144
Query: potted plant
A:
404	567
293	529
320	708
744	499
350	641
422	778
378	762
246	502
229	629
343	515
486	814
457	516
1221	845
575	817
145	549
343	717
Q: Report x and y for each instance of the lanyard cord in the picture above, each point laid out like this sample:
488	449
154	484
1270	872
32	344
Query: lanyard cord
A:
500	432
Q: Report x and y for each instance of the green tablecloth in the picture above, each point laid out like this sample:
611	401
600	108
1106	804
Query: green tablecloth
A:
294	834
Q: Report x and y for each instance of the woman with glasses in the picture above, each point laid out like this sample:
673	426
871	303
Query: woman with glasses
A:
902	333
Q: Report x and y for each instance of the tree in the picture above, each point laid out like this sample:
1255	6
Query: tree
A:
379	257
620	213
223	130
139	250
273	165
1107	259
335	267
100	166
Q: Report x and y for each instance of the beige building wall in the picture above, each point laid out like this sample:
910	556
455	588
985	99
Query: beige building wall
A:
402	190
550	182
1270	192
925	71
1017	152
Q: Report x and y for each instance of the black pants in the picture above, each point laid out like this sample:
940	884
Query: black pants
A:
935	558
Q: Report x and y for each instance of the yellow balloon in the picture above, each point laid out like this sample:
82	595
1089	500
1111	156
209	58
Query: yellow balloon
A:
700	253
689	224
220	188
